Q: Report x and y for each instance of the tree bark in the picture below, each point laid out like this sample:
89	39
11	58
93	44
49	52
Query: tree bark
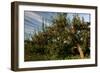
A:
80	51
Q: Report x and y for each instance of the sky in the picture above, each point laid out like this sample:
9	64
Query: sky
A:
33	20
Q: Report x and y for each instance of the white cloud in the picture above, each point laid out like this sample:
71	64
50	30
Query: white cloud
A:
33	16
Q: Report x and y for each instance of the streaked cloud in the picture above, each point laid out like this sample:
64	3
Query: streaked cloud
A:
33	16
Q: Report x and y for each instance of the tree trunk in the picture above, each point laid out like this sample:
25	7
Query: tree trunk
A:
80	51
